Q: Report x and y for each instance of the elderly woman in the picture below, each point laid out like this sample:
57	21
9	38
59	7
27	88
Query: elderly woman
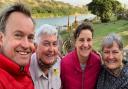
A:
114	74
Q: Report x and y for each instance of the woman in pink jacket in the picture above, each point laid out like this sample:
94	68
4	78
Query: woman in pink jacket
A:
80	68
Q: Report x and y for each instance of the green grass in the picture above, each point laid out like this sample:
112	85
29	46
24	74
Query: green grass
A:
100	30
103	29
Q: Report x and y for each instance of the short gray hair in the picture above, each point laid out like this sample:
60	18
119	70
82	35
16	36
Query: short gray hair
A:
45	29
109	39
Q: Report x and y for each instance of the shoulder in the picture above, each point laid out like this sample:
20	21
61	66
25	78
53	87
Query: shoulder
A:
96	54
1	86
5	76
68	60
3	73
125	70
33	61
103	70
95	57
57	64
68	56
125	77
33	57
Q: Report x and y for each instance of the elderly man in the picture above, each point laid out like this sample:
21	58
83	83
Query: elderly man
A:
45	63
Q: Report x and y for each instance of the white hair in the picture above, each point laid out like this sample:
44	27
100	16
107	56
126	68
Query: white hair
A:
45	29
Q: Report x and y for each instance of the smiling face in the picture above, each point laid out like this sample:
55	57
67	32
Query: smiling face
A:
83	44
17	41
112	56
47	49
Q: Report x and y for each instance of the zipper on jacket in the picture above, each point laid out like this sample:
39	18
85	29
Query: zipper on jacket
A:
83	78
21	68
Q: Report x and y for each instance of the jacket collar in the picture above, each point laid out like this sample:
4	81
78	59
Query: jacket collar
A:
10	66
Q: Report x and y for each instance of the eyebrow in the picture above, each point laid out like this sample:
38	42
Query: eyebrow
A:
23	32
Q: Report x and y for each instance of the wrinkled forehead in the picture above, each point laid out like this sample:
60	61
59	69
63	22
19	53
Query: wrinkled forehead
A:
48	37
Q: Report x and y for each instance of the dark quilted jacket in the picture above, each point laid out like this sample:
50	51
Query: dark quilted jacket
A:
108	81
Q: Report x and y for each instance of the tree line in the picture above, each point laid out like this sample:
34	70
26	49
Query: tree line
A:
56	8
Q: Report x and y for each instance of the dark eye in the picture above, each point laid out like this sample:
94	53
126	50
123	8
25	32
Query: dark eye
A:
46	44
89	39
54	43
31	38
18	35
81	40
106	52
115	52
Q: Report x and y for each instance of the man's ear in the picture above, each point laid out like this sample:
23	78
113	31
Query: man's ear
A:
35	44
1	38
34	47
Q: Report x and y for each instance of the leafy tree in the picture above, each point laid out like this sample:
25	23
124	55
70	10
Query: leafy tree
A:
104	8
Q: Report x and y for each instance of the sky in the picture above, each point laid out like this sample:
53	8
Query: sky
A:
76	2
84	2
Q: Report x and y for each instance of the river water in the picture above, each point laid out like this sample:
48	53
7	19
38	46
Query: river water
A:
62	21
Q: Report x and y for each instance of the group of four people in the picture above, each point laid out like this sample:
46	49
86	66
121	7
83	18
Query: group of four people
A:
25	64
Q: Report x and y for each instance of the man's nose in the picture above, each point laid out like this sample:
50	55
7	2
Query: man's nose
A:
51	47
25	42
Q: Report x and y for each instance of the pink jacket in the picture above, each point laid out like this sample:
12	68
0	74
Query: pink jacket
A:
72	75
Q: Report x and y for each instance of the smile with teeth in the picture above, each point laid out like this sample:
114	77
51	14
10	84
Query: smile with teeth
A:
84	49
23	52
111	61
50	55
